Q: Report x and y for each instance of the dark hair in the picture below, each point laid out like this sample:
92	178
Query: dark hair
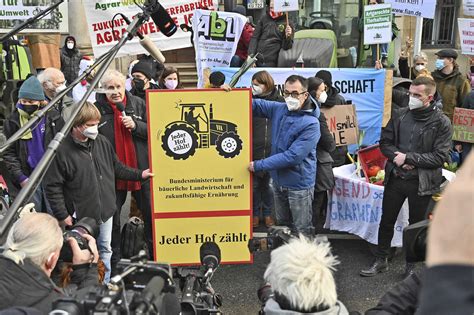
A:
216	79
429	83
166	72
313	85
264	77
297	78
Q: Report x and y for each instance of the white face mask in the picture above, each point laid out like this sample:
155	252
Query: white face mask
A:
91	132
323	97
70	45
415	103
171	84
419	67
292	103
256	90
60	88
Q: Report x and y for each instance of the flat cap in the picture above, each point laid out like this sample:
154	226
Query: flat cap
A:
447	53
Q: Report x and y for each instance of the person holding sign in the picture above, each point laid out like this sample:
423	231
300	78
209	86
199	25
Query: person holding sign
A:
271	34
416	142
292	164
464	148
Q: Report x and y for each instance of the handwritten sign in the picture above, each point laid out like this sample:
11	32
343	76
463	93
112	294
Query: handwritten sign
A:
466	35
342	123
463	125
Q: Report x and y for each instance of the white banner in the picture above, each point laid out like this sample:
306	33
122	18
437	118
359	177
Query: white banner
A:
285	5
15	12
466	35
377	24
99	15
422	8
216	35
468	6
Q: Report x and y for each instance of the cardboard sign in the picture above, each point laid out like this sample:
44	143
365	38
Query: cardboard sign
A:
377	24
285	5
421	8
466	35
463	125
200	147
342	123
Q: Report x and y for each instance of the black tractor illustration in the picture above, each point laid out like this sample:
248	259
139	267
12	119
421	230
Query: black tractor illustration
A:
198	130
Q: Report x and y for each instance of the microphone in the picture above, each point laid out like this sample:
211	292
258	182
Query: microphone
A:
210	256
121	108
161	18
151	291
147	44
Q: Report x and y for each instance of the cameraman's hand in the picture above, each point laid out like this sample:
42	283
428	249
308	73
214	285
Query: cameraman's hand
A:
85	256
67	221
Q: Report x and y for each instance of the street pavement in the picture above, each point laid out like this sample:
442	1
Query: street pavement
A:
238	284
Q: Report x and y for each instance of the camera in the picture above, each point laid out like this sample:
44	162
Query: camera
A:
84	226
276	237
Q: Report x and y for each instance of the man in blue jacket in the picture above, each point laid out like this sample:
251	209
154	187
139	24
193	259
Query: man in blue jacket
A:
292	164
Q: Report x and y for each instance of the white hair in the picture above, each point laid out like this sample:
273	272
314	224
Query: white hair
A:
110	75
34	236
301	271
48	74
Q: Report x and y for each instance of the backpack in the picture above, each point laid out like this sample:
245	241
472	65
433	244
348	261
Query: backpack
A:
133	237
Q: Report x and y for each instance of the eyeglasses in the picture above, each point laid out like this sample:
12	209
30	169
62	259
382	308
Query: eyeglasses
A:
294	94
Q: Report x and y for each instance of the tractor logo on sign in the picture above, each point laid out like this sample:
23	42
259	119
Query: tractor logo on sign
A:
197	129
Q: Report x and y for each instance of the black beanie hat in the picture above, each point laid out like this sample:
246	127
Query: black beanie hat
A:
143	67
217	78
326	76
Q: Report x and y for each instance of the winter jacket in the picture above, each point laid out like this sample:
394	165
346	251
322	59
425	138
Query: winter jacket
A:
432	149
82	177
134	108
326	145
405	69
269	37
292	163
70	60
142	94
453	89
28	285
66	106
273	308
262	128
244	41
16	156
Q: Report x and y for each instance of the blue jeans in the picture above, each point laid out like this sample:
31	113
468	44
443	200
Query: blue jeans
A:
383	51
262	194
40	201
104	246
294	208
236	62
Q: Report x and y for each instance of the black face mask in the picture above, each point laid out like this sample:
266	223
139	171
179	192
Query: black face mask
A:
472	69
30	109
138	84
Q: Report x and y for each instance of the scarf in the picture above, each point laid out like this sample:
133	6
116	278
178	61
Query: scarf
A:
124	148
34	137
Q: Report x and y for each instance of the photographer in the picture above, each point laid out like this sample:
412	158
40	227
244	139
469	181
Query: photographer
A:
31	253
300	275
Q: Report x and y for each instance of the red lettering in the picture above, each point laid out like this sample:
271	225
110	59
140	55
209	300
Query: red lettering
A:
171	11
355	190
152	27
332	124
99	39
345	188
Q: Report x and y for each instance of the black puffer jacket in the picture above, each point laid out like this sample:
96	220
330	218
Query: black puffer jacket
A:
432	149
82	179
339	153
134	108
262	129
326	145
16	156
269	37
70	59
27	285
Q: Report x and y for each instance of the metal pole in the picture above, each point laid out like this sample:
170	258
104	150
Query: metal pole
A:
418	34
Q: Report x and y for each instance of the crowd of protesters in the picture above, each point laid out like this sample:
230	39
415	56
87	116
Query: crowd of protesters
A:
105	155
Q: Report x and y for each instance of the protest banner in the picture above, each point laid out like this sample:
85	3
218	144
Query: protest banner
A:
466	35
216	35
99	14
468	6
285	5
363	87
200	147
15	12
420	8
463	125
342	123
377	24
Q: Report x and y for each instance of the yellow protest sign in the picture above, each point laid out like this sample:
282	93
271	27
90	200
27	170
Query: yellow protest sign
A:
200	147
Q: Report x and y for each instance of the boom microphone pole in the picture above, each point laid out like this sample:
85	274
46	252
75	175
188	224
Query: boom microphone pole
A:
50	152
